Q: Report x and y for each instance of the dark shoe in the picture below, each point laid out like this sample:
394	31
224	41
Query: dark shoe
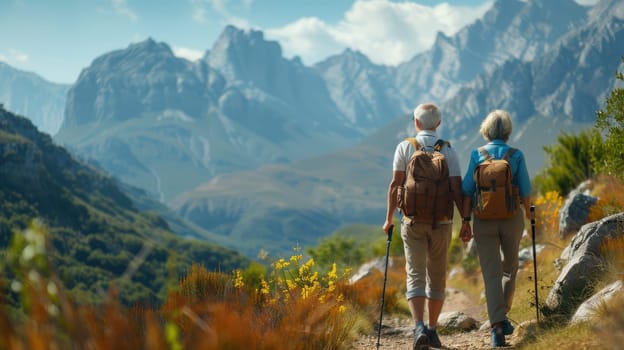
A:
421	341
508	328
434	340
498	338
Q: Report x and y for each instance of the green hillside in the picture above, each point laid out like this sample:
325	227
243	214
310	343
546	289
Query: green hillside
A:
96	230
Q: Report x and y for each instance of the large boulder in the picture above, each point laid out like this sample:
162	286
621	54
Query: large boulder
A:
584	265
574	212
589	310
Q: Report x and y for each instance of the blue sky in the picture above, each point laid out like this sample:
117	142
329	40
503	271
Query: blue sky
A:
58	38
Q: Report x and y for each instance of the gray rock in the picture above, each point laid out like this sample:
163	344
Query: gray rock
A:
574	212
588	310
457	320
367	268
526	254
584	266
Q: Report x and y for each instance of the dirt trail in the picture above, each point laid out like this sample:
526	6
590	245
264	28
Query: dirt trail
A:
397	333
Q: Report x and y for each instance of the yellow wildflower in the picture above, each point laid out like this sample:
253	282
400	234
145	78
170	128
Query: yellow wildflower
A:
281	264
264	287
238	279
295	259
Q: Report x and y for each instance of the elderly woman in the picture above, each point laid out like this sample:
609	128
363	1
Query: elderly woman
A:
497	236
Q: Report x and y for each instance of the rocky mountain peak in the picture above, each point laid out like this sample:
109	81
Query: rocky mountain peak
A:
607	8
120	85
348	60
144	55
151	46
549	13
356	55
238	53
502	12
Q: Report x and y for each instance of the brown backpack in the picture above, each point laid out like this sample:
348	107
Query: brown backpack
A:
425	196
495	196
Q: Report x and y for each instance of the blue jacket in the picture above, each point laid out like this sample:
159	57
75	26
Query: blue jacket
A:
497	149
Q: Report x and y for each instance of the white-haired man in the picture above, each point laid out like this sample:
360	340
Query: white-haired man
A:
425	245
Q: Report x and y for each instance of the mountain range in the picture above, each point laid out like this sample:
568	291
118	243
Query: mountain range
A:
263	152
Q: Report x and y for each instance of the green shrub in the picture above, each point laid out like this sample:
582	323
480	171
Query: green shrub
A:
569	162
610	120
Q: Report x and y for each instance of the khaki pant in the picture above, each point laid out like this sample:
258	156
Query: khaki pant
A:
498	242
426	251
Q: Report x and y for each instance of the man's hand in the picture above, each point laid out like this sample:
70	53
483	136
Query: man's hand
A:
386	226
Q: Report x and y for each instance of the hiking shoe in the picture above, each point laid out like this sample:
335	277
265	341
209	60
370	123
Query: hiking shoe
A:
434	340
508	328
498	338
421	341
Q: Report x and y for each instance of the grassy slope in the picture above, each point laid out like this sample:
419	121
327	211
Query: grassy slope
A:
96	230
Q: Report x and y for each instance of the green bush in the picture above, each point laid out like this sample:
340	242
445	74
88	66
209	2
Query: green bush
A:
610	121
569	162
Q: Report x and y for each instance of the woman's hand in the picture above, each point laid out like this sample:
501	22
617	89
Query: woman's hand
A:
465	233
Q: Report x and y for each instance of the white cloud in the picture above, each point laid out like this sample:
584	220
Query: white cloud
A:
310	38
121	7
189	54
199	11
387	32
201	8
587	2
13	56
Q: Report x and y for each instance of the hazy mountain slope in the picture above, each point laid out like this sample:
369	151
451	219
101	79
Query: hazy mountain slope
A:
181	226
95	228
278	207
29	94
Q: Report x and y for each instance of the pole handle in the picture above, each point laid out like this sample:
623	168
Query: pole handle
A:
389	233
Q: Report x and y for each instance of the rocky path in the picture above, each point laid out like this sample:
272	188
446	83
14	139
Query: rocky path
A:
397	333
402	339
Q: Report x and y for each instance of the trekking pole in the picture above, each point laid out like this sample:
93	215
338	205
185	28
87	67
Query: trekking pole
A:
534	261
383	291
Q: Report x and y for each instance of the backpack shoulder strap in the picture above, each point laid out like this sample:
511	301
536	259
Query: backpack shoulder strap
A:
441	143
484	153
509	153
414	143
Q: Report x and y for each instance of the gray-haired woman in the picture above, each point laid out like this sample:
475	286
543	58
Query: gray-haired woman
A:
497	238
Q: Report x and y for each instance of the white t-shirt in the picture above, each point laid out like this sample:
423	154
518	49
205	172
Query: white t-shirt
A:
425	138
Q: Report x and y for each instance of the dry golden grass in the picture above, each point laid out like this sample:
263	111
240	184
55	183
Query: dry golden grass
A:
577	337
524	299
613	251
610	193
610	327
